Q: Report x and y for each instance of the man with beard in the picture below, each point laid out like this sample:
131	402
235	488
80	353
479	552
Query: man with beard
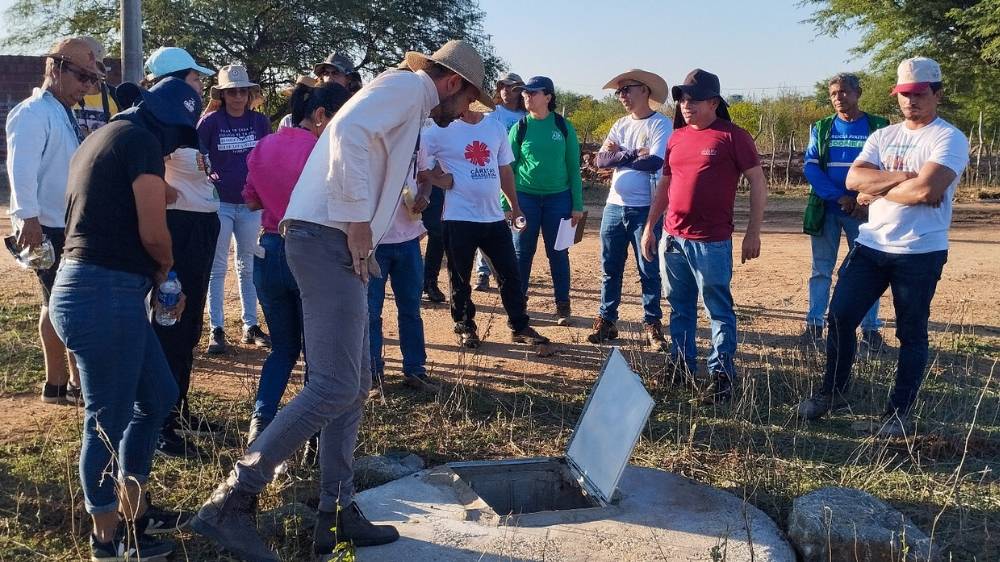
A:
340	209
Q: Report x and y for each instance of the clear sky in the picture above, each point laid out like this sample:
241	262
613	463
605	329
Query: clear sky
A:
755	47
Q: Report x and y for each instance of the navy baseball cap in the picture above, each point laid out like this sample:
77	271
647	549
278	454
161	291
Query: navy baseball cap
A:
173	102
538	84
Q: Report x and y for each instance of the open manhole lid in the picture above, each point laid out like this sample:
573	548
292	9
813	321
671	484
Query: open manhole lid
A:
612	419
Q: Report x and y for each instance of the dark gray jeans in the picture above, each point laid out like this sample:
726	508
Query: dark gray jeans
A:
335	325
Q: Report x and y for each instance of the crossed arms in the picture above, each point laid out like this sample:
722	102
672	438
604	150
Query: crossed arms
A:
926	187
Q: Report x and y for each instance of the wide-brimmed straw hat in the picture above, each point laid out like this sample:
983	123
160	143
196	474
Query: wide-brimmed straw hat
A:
460	57
657	86
77	52
302	79
233	76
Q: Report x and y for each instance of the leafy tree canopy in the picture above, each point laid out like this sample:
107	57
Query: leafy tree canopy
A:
274	39
962	35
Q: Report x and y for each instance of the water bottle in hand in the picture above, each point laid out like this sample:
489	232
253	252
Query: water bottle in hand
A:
167	299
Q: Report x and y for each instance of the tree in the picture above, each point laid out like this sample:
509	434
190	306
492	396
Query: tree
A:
962	35
589	115
274	39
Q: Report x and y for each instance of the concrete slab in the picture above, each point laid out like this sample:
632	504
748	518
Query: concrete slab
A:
661	516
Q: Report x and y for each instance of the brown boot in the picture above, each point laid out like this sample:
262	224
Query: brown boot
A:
603	330
654	336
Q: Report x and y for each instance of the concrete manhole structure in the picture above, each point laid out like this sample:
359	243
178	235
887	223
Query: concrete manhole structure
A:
587	505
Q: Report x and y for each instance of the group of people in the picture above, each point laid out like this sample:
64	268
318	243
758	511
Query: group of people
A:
331	208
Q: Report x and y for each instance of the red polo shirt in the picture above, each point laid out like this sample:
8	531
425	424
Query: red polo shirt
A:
705	166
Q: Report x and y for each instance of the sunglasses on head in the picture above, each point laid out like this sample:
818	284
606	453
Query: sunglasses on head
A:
82	76
625	90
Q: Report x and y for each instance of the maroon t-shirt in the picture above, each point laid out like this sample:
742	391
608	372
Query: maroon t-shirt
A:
705	166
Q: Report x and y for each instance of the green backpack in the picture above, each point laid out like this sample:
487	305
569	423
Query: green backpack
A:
815	213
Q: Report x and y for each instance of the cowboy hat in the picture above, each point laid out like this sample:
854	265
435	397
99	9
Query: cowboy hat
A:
77	52
233	76
461	58
302	79
657	86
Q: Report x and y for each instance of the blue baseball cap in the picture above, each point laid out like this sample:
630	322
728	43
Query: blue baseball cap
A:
167	60
173	102
538	84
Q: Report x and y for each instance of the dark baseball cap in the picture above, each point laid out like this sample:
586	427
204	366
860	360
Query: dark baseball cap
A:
700	85
538	84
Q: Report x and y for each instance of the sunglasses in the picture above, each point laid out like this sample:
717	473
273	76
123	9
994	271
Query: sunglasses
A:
85	78
236	91
625	90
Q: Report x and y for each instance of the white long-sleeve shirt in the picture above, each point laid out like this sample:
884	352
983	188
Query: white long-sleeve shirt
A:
41	140
357	170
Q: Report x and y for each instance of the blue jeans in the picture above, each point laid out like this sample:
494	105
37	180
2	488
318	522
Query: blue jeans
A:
866	274
621	227
824	257
282	305
128	389
692	269
239	222
543	213
402	265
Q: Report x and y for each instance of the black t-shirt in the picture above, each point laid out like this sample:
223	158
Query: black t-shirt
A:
101	223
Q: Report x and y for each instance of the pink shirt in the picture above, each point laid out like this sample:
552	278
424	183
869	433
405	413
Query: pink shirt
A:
274	167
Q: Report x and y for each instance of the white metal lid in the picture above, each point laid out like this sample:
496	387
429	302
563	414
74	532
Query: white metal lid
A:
613	417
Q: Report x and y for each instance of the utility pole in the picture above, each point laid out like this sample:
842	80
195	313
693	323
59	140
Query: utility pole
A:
131	22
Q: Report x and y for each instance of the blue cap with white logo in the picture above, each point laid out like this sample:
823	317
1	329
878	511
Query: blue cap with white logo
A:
166	60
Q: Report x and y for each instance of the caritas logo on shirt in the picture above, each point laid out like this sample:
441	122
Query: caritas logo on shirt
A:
477	153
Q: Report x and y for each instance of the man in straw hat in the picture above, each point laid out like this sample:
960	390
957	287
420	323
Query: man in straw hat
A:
635	148
42	135
340	209
705	158
908	174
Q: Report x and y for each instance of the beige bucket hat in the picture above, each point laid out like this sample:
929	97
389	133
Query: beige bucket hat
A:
233	76
657	86
460	57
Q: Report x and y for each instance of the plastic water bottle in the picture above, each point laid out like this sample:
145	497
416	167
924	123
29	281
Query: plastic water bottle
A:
41	257
167	299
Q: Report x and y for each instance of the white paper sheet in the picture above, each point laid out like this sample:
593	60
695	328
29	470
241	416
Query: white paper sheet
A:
566	236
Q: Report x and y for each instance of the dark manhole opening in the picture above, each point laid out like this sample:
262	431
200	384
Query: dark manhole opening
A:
525	487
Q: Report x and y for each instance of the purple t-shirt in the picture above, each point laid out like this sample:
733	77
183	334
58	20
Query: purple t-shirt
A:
229	140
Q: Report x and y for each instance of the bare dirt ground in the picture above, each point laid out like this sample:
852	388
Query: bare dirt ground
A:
773	290
504	400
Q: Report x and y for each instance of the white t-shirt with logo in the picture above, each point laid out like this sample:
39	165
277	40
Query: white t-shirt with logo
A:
472	154
506	117
633	188
912	229
195	192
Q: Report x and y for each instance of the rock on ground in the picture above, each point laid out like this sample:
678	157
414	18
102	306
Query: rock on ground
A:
377	470
851	525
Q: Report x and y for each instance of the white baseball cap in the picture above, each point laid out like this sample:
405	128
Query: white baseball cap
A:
916	75
166	60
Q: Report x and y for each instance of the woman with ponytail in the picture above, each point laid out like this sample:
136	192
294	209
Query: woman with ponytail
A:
274	167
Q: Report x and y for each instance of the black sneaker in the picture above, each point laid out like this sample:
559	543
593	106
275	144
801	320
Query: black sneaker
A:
821	404
74	395
871	342
813	337
349	525
161	520
136	546
721	390
467	337
482	283
254	335
196	425
54	393
421	382
564	316
171	444
217	342
433	294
